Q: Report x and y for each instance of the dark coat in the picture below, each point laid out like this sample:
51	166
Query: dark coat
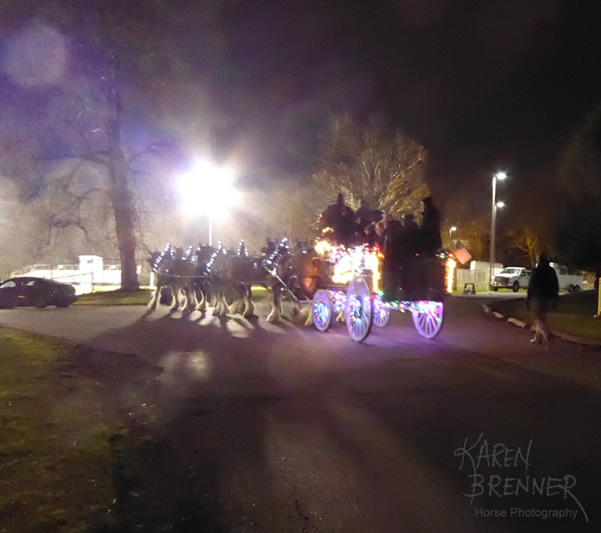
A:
543	283
341	218
431	240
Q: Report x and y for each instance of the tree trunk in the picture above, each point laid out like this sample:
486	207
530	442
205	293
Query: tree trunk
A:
120	194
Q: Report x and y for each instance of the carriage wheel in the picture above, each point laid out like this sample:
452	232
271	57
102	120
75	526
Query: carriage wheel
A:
381	313
322	310
428	317
358	310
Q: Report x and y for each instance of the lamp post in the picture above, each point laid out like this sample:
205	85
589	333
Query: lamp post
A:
208	189
493	220
451	230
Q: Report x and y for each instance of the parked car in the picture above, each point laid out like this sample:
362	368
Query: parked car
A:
40	292
514	278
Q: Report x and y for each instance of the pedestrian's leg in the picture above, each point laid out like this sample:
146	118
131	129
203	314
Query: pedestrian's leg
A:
544	329
538	317
534	340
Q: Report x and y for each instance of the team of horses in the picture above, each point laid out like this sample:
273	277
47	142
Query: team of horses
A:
224	278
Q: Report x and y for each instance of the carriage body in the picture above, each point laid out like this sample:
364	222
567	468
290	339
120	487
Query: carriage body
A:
356	284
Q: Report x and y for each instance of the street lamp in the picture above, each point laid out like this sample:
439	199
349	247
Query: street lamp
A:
451	230
493	219
208	189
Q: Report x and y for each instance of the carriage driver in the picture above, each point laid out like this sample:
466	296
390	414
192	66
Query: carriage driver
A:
340	219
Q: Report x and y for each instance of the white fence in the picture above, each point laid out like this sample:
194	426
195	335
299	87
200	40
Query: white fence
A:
478	274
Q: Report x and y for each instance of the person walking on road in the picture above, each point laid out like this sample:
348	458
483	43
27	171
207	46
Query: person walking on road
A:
543	291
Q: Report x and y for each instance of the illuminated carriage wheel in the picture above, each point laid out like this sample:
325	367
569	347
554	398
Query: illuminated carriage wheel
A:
381	313
322	310
428	317
358	310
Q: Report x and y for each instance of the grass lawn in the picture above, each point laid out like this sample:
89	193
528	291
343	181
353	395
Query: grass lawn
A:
574	314
54	440
142	296
116	297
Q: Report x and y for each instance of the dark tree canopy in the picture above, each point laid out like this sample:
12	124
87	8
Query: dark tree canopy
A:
579	197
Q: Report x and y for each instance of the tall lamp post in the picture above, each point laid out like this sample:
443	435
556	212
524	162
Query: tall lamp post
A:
493	220
451	230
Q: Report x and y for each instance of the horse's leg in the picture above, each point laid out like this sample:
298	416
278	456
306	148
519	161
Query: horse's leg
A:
309	320
237	305
175	293
217	306
275	314
220	304
202	301
185	297
249	306
155	297
191	295
212	296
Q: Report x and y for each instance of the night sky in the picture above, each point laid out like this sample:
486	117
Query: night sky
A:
484	85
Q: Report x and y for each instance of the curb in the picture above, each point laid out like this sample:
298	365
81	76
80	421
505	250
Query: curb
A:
563	336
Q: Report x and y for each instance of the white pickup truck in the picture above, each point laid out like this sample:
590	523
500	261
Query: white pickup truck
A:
514	278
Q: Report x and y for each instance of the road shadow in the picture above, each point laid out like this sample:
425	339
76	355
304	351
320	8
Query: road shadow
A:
190	402
216	438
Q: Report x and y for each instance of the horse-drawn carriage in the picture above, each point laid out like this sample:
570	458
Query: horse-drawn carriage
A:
336	281
350	287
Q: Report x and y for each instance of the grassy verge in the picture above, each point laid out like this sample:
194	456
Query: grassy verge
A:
117	297
54	450
142	297
574	314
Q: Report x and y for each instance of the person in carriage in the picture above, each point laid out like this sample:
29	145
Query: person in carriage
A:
411	268
338	223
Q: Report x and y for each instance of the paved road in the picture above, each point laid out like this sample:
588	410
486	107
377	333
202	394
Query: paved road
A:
279	428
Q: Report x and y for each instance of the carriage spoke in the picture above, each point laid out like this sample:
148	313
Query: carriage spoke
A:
358	310
428	318
322	310
381	312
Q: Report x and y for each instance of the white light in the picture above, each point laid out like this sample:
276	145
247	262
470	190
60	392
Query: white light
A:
500	204
453	228
501	175
208	189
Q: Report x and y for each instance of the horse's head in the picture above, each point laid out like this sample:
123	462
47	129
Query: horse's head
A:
204	253
304	272
161	260
152	259
276	258
216	258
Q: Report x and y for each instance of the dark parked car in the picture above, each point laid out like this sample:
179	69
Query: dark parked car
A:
35	291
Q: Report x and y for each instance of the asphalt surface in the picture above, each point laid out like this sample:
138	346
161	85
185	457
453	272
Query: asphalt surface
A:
281	428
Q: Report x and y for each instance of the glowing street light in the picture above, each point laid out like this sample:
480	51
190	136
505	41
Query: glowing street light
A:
493	219
208	189
451	230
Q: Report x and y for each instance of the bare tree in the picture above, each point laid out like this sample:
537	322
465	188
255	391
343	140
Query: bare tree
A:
102	54
474	236
384	168
527	241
